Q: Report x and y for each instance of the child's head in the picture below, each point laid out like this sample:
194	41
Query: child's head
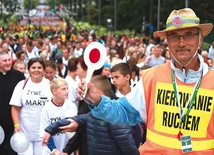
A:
20	66
59	88
121	75
103	84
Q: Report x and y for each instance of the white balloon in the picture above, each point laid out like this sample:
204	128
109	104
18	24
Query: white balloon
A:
19	142
1	135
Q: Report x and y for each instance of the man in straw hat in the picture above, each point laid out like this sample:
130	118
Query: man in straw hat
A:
175	100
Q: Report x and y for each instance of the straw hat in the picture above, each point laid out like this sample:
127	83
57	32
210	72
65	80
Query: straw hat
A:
181	19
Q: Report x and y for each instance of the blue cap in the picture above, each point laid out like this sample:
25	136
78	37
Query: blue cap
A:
106	65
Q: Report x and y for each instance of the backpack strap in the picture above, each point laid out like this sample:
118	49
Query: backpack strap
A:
25	82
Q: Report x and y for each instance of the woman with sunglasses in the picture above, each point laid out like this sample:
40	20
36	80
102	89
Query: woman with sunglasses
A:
28	99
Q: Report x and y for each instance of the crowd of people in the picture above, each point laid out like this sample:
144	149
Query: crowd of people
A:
39	76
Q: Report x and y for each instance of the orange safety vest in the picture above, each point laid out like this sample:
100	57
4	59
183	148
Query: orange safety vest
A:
163	114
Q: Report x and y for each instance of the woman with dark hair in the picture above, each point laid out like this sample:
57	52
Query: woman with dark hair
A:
27	101
50	69
166	54
81	67
20	55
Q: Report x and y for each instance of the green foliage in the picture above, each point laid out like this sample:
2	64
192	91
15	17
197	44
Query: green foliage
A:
2	23
30	4
205	45
130	13
101	30
13	18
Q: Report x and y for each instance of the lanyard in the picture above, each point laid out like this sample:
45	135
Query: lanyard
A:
191	99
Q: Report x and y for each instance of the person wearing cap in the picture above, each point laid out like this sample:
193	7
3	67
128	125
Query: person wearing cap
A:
174	99
106	71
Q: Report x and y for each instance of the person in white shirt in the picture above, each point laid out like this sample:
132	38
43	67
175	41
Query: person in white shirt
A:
78	51
56	109
53	45
71	80
66	55
156	58
30	53
121	78
149	46
27	101
211	51
38	46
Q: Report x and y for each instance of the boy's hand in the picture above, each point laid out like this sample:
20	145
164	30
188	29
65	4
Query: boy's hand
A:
45	138
55	152
71	127
92	94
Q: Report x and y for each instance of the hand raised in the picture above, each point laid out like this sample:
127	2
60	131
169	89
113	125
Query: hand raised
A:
92	94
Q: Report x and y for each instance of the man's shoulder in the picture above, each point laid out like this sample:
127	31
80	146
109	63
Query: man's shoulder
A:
158	68
17	73
163	58
211	71
157	71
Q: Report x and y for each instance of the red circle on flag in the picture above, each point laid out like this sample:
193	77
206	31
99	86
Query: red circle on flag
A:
94	55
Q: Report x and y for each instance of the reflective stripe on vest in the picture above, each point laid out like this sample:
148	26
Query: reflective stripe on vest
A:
174	143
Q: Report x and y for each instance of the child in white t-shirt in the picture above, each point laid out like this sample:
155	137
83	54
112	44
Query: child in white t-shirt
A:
58	108
121	77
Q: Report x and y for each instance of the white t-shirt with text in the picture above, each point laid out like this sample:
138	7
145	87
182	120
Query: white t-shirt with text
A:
31	99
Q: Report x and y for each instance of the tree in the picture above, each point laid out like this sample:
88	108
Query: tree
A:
131	13
30	4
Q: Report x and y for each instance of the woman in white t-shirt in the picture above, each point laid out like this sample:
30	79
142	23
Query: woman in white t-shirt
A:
28	99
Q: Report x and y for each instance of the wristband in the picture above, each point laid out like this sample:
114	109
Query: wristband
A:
16	124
